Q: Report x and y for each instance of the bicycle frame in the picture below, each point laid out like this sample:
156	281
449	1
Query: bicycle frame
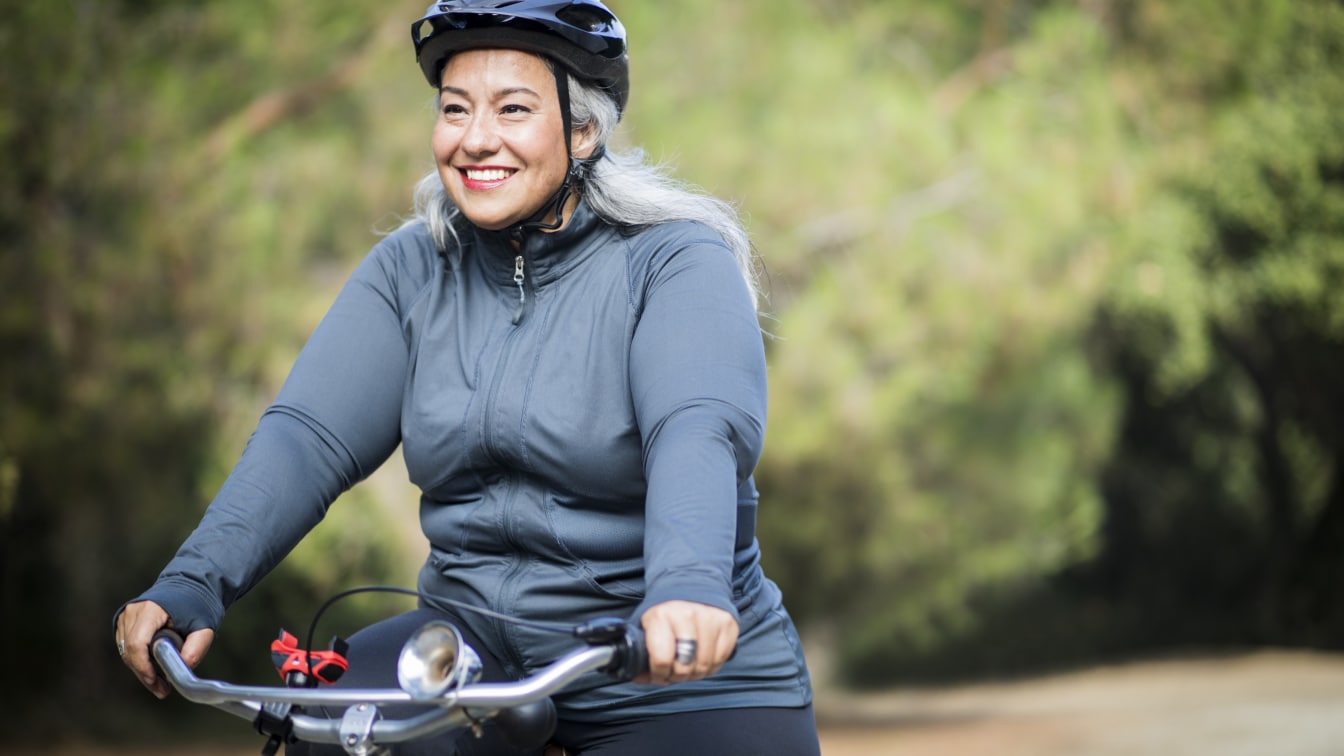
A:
361	730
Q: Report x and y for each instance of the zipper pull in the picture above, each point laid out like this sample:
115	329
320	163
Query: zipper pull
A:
522	292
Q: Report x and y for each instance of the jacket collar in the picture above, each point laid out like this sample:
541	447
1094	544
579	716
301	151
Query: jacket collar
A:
546	255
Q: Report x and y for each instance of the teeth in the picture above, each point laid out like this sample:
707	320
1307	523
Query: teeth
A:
492	174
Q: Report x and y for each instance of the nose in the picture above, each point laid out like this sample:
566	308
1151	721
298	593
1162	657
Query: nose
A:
480	136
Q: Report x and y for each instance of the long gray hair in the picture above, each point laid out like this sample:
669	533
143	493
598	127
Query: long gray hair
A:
622	188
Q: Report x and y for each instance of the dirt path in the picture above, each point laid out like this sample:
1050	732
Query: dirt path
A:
1259	704
1279	703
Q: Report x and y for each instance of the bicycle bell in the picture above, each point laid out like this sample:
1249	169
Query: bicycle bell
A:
435	660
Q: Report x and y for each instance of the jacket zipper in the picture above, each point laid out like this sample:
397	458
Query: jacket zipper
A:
507	585
518	278
506	597
505	350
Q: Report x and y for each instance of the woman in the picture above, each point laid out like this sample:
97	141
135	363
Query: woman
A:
565	344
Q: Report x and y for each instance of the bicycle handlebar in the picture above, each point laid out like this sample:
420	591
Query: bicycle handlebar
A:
360	730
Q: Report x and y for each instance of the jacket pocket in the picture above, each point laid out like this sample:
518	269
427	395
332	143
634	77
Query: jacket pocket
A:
602	544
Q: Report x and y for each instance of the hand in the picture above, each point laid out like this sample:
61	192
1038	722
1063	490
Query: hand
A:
136	626
713	630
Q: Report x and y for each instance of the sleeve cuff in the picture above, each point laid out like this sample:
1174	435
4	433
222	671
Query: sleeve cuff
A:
715	595
186	607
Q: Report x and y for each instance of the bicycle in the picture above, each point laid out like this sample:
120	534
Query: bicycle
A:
436	668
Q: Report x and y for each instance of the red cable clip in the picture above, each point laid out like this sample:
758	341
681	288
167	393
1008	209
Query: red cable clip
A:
292	662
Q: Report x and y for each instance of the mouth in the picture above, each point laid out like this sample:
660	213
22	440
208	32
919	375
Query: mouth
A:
480	178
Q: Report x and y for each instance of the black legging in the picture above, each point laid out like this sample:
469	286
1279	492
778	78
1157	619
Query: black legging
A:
763	730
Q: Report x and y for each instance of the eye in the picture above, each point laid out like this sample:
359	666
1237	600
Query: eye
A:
452	108
515	109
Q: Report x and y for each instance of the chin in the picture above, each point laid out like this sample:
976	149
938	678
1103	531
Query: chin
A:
489	224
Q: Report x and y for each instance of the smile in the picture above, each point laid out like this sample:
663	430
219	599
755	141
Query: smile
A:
487	174
485	178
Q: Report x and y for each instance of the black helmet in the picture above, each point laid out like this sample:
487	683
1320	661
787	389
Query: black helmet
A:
581	35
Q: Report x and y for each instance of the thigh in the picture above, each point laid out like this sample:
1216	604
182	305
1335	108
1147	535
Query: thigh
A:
373	657
770	731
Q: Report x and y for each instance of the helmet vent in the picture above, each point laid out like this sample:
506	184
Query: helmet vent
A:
424	30
586	17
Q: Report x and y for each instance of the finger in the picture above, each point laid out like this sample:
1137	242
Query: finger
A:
705	636
196	645
717	633
708	634
686	634
724	643
135	628
660	641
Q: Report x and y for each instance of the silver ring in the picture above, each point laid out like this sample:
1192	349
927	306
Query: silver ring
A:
121	646
685	651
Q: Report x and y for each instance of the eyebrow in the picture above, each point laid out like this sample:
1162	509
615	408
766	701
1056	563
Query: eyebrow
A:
507	91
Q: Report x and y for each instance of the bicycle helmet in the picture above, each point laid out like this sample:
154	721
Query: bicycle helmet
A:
581	35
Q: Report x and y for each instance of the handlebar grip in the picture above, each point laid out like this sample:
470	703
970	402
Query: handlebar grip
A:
170	635
632	657
167	634
632	654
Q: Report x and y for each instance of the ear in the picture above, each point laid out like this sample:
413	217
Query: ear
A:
583	141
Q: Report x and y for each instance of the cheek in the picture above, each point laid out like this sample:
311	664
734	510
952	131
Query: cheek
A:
545	155
442	141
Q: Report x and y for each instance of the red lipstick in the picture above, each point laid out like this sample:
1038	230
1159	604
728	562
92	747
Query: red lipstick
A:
480	178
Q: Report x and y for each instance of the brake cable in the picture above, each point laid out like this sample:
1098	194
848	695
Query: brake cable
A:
596	631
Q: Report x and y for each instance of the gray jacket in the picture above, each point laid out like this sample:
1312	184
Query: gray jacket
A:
582	418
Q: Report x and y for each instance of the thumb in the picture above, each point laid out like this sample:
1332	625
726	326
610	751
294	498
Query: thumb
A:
195	646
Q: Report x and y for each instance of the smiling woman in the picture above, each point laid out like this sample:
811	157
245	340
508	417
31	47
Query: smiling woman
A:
564	343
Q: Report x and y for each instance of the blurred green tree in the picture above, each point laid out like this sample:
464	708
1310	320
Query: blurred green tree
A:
1225	495
936	426
136	330
1079	396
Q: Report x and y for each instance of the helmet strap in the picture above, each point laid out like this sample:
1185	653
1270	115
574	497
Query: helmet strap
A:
566	117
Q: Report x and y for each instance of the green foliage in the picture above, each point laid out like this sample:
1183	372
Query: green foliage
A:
141	312
933	409
92	385
1227	338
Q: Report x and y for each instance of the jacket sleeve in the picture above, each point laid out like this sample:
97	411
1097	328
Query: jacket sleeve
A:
335	420
699	389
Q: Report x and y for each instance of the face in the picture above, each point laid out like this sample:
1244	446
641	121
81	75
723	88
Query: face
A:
498	140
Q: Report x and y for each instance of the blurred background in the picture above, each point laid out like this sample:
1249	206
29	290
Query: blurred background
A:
1057	348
